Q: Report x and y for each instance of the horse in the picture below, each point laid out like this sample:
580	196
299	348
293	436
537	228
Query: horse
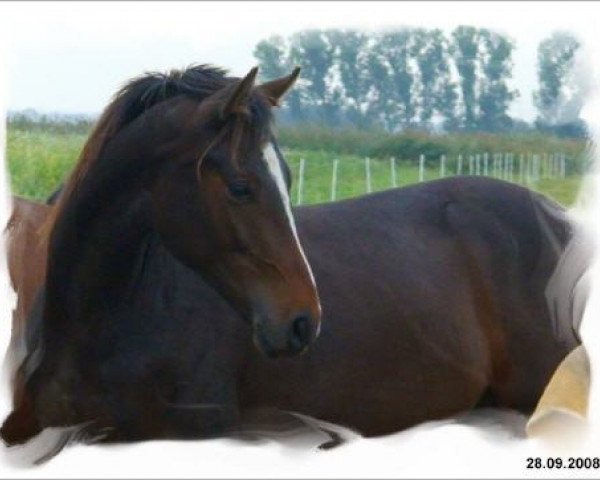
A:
433	303
26	256
201	170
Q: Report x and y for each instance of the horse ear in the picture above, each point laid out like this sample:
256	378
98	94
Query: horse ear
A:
276	89
237	98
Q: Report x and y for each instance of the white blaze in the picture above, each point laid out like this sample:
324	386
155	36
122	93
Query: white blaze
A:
272	160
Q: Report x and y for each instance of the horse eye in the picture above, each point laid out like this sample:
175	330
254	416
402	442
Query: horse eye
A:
240	190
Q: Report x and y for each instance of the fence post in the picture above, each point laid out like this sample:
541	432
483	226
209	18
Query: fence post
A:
368	173
521	157
393	171
511	161
498	166
470	164
563	166
477	164
300	182
485	164
559	168
443	166
459	165
505	173
334	179
421	168
543	170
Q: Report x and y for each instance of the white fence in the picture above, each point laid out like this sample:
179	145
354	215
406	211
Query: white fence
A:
521	168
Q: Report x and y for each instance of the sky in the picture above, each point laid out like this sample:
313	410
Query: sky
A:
72	56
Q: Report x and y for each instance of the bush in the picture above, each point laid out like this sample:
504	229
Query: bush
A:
409	145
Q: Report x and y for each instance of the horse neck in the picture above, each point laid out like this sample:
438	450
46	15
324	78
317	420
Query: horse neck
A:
103	227
95	262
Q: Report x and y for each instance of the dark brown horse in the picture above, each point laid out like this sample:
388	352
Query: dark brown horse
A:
200	171
433	301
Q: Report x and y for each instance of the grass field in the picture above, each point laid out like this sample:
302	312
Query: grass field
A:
39	160
352	177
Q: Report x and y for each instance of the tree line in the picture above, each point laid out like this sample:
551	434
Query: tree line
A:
414	78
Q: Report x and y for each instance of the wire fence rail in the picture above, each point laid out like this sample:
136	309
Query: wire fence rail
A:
331	180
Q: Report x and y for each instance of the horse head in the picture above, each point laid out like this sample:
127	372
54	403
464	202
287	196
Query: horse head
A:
221	206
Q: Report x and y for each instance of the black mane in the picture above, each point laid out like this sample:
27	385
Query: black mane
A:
145	91
142	93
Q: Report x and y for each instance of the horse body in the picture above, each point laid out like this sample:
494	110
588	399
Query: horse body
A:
26	256
25	249
433	302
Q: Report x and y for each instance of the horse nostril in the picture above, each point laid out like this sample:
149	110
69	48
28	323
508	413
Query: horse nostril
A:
300	333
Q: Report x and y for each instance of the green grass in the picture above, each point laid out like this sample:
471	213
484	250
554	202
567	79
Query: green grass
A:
351	174
39	160
318	171
562	190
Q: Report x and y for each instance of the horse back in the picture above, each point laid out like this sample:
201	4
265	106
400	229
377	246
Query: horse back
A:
469	240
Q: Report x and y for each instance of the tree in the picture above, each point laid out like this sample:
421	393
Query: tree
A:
437	93
447	105
350	65
556	56
466	52
310	50
389	62
271	55
401	79
495	96
483	61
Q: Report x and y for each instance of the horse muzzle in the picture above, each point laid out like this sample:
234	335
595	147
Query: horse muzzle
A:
288	338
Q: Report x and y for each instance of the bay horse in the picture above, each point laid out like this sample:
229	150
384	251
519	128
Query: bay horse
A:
26	254
433	299
200	170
